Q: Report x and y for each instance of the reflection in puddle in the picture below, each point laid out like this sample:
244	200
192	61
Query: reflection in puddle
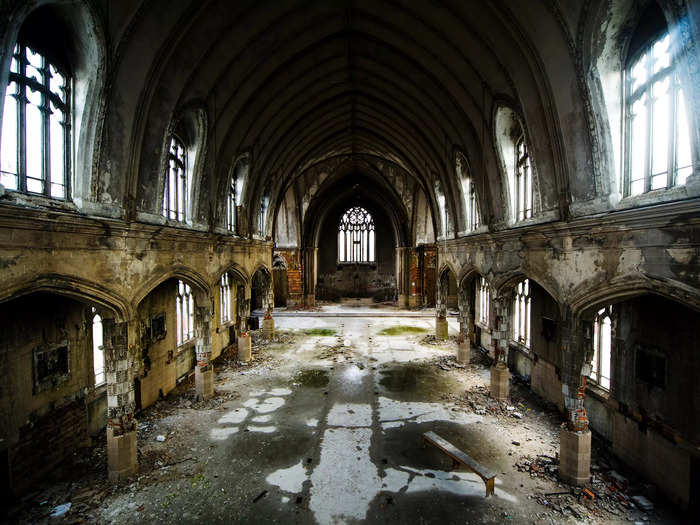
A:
392	412
220	434
262	419
350	415
264	430
345	481
289	479
353	374
268	405
235	416
313	378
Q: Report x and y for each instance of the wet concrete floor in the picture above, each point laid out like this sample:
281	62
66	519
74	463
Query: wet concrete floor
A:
329	430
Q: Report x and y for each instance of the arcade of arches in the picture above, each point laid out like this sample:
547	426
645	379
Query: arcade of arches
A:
177	175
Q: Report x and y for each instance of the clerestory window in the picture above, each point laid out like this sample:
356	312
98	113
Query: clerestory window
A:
483	301
471	205
521	313
36	126
657	132
602	348
177	188
523	182
185	313
356	236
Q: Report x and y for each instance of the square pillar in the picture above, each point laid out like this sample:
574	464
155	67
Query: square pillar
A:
204	381
575	456
463	350
245	347
441	328
122	459
500	382
268	327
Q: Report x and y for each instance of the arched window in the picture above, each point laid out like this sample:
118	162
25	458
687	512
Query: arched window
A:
356	236
98	357
483	301
225	286
231	206
262	216
36	126
656	122
602	348
523	181
521	313
235	192
185	313
471	205
176	190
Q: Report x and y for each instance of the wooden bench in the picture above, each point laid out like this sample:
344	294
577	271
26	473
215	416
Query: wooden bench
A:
459	457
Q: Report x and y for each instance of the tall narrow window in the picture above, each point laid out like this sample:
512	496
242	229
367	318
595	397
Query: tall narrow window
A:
356	236
483	301
176	190
521	313
657	132
231	205
98	357
225	298
185	313
262	216
602	348
36	126
471	206
523	182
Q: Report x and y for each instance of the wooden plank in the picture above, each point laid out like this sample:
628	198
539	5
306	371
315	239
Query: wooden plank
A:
457	455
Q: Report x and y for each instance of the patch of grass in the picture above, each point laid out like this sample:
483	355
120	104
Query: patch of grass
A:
319	331
402	330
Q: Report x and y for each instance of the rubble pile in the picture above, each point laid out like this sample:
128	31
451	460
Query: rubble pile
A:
435	341
542	466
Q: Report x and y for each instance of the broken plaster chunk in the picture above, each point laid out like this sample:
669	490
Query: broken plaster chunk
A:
517	415
160	438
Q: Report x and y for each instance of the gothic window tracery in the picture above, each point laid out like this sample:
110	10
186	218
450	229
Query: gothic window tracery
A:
36	136
356	236
521	313
176	189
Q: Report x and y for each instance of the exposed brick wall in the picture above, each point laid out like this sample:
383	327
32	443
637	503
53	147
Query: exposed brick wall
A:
430	274
46	442
295	275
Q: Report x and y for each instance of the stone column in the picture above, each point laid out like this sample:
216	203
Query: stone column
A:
309	254
122	459
441	326
500	376
403	263
244	342
465	327
204	372
575	438
268	324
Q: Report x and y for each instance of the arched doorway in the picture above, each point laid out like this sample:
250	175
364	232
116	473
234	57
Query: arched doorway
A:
280	281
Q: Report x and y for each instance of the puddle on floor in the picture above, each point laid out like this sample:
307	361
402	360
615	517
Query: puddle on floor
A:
312	378
416	379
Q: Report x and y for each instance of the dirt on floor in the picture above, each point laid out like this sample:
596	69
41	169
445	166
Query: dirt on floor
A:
184	448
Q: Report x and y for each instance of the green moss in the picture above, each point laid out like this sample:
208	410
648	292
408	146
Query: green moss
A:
402	330
319	331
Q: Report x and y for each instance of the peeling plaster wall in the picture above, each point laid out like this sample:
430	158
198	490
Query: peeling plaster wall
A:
29	416
582	265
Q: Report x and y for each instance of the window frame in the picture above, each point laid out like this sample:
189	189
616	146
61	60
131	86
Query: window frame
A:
523	182
483	302
184	306
97	372
645	92
346	239
23	82
180	215
225	298
596	363
522	314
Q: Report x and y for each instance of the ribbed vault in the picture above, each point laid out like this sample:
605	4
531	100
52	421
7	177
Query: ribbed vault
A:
296	82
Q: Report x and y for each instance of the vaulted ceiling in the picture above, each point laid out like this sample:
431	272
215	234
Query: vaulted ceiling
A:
296	82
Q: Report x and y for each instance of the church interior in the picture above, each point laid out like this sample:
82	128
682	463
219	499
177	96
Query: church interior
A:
350	261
